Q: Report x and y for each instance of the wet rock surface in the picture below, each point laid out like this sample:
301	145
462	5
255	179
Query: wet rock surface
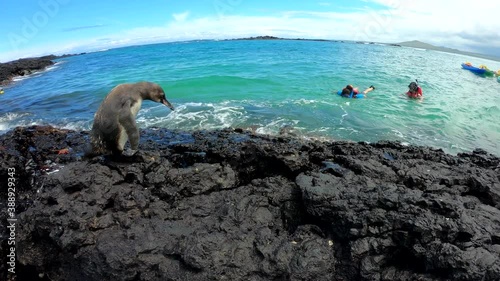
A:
230	205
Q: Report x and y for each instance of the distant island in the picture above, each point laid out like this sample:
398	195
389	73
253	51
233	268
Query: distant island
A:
410	44
276	38
422	45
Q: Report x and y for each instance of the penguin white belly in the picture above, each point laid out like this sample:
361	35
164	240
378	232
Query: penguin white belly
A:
136	107
122	139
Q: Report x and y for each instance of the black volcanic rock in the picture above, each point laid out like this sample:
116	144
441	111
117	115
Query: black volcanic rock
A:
230	205
27	66
22	67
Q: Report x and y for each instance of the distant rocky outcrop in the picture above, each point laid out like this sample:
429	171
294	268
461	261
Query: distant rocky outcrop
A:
279	38
22	67
426	46
261	38
25	66
422	45
231	205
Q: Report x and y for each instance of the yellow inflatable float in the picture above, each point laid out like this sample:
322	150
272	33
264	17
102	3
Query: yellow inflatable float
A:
488	72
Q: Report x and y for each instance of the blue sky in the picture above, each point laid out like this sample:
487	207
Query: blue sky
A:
39	27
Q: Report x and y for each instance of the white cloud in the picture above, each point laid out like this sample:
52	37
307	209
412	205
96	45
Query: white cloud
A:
456	24
181	16
463	25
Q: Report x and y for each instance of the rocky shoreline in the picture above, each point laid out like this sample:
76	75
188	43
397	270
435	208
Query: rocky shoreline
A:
24	67
231	205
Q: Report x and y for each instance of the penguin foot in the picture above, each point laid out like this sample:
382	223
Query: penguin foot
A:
137	156
129	152
146	156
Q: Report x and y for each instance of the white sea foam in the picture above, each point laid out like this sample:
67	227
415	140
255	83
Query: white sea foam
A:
52	67
350	130
20	78
305	101
37	73
4	127
191	116
273	127
398	134
344	115
10	116
76	125
328	103
11	120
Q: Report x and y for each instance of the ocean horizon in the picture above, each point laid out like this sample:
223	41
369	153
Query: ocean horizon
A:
270	85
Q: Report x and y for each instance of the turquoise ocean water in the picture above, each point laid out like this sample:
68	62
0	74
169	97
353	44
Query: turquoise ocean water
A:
266	85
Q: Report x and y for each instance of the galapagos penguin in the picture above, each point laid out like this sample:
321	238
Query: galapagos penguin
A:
114	121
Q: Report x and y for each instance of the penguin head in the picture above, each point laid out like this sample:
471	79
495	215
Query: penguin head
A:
154	92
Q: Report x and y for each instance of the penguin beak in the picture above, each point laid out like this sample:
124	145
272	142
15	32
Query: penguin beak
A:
167	103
